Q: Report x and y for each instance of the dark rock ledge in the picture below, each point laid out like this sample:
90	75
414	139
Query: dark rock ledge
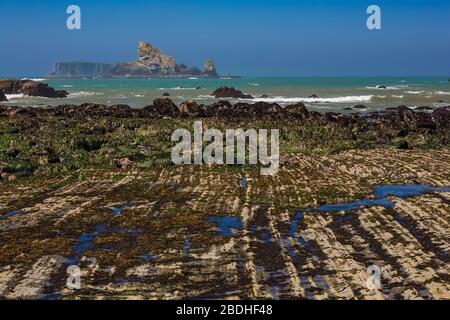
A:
400	117
29	88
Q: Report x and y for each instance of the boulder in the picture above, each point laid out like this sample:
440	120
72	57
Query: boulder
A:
314	96
166	108
39	89
10	86
220	108
149	112
190	108
226	92
3	97
359	106
415	120
441	117
263	108
298	109
30	88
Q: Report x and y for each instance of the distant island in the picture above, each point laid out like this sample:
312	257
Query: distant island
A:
151	62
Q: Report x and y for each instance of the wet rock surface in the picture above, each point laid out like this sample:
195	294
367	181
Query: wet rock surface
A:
226	92
30	88
198	232
94	186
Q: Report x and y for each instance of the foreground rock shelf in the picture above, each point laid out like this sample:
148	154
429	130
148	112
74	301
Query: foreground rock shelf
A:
94	186
163	234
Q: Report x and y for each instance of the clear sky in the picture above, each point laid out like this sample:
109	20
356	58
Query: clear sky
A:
247	37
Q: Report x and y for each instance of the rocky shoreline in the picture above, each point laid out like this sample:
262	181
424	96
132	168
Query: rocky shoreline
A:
28	88
95	183
401	116
36	139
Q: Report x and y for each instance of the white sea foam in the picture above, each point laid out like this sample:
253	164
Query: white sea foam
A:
67	86
399	87
442	93
393	97
414	92
193	78
14	96
254	84
344	99
204	97
34	79
83	94
440	104
176	88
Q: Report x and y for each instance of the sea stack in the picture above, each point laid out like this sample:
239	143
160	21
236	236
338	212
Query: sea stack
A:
155	59
152	62
209	68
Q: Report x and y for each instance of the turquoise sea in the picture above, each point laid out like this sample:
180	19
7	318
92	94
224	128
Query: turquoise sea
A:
334	94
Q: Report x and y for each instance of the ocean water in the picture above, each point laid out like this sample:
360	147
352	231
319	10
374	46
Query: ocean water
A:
334	94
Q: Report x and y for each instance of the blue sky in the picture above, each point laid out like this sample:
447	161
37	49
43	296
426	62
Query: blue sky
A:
277	38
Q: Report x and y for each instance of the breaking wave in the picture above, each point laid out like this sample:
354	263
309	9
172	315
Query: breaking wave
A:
84	94
344	99
34	79
414	92
14	96
379	87
177	88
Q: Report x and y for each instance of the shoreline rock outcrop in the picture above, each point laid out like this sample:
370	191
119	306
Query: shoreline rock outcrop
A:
226	92
3	97
30	88
398	121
